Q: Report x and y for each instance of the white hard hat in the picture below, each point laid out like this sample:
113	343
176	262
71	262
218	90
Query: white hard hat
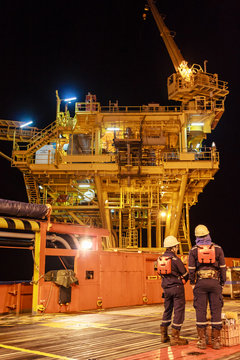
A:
201	230
170	241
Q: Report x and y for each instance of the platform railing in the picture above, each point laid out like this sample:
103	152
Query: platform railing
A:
199	104
11	131
95	107
155	158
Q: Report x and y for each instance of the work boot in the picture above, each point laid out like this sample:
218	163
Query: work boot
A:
201	344
216	342
208	335
176	339
164	334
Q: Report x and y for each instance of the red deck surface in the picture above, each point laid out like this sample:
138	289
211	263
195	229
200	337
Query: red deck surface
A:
189	351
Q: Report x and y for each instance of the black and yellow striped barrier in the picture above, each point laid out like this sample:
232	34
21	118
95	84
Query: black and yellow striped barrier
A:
19	224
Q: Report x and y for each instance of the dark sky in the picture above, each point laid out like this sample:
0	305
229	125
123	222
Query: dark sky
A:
106	48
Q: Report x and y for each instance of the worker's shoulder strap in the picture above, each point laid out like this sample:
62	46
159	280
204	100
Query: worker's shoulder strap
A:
193	248
210	246
217	246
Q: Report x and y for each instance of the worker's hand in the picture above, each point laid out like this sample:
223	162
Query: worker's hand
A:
193	286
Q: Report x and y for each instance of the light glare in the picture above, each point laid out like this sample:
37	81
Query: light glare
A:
112	129
70	99
163	214
86	244
26	124
197	124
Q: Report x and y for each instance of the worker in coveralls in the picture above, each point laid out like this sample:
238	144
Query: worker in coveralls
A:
173	292
207	271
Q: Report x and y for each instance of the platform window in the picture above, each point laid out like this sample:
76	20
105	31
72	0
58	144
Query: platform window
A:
89	274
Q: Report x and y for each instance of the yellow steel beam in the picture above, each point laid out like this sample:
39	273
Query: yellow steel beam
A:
101	200
5	156
76	218
158	231
170	44
149	229
181	194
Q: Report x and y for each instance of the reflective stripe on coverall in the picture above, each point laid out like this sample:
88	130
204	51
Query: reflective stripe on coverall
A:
208	290
174	295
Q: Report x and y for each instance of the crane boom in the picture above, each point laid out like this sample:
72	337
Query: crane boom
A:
187	82
173	50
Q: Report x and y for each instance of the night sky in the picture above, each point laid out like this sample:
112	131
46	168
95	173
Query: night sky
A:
106	48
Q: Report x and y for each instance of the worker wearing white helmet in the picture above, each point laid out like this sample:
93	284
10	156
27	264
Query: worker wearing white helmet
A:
174	275
207	272
201	231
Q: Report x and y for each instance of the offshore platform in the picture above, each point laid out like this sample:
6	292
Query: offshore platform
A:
135	171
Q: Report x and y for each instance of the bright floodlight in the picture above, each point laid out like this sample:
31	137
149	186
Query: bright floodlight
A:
86	244
70	99
112	129
197	124
84	185
163	213
26	124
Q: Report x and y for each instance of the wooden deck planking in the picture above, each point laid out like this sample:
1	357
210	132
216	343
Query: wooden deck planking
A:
99	335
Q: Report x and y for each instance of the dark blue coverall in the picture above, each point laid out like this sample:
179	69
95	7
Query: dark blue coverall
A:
209	289
174	295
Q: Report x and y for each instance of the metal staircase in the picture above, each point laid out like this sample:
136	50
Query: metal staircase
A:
31	188
40	139
183	237
132	234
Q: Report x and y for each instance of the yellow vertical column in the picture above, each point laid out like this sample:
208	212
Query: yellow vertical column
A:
172	211
149	230
120	228
104	212
97	141
188	224
158	231
184	134
39	264
36	274
108	218
168	219
140	236
179	204
130	236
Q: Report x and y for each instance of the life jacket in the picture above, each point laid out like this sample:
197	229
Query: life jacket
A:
206	254
164	265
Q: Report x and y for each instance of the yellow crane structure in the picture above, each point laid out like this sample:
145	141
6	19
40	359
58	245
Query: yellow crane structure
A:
133	170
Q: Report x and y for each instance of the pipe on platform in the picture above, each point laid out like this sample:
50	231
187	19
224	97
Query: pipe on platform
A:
17	208
55	238
16	235
10	243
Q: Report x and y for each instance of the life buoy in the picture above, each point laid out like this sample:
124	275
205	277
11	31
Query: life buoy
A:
99	303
